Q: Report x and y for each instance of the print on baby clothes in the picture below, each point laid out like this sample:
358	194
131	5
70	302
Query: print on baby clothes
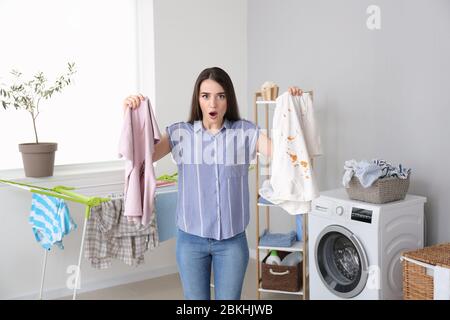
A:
110	235
50	220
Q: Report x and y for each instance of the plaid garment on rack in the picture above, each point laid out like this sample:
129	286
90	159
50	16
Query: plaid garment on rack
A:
110	235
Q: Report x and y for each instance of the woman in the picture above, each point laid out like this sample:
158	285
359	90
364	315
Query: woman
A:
213	151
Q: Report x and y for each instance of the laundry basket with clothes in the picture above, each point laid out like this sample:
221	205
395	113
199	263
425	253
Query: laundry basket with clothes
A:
375	181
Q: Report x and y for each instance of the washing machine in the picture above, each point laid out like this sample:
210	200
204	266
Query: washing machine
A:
355	247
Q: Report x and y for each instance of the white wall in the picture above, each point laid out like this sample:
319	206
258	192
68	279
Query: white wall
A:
380	93
189	37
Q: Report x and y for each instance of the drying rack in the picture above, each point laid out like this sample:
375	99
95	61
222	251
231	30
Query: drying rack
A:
65	193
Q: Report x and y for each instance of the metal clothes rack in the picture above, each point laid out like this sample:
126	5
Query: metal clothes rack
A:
65	193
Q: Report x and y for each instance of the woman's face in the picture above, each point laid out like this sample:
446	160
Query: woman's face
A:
213	102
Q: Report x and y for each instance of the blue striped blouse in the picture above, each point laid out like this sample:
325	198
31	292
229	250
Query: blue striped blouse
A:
213	193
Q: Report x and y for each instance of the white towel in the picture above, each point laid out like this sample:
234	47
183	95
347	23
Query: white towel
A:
441	282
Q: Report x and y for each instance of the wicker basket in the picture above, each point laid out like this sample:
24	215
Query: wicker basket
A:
283	278
381	191
417	283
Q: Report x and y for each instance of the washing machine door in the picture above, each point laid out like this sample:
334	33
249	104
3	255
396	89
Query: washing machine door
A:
341	261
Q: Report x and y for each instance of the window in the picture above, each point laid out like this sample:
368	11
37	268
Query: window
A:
102	38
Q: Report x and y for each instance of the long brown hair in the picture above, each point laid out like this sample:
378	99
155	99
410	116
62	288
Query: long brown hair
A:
222	78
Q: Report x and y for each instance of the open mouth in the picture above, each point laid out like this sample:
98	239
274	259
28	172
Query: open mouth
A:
213	114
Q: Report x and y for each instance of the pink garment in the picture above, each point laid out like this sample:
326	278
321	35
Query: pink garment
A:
140	133
165	183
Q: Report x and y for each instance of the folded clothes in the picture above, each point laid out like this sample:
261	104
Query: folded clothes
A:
278	239
264	201
165	183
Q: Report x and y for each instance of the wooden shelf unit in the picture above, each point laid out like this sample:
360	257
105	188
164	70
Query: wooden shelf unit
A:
301	246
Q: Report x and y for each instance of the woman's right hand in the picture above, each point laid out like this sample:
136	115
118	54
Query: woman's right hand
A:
133	101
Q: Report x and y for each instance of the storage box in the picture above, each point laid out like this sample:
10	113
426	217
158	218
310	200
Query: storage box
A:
418	282
381	191
282	278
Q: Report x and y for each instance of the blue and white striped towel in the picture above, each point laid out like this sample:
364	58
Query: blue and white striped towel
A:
50	220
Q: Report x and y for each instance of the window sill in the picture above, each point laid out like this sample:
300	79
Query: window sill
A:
63	172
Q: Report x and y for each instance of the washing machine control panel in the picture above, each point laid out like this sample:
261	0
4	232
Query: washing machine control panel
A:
362	215
332	210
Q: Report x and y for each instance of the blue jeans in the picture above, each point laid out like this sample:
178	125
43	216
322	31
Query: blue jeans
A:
229	260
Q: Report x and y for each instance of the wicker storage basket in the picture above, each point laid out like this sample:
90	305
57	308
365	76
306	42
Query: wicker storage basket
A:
283	278
381	191
417	283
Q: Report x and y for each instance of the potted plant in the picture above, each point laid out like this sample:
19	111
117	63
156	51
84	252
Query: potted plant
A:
38	157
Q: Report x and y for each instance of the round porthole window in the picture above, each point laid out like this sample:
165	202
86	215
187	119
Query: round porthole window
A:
341	261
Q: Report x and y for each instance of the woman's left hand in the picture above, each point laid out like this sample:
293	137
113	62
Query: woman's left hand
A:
295	91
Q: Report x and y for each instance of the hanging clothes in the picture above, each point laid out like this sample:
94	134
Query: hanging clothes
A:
50	220
110	235
140	133
295	141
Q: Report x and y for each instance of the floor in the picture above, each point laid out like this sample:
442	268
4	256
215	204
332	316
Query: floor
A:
169	288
